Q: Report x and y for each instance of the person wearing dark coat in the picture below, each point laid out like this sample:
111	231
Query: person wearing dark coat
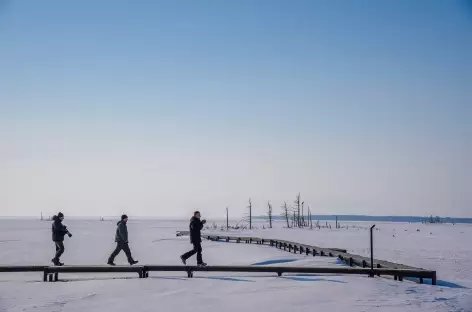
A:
121	239
59	230
196	225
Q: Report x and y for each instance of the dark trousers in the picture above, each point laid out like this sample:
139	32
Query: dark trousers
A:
119	247
59	250
197	249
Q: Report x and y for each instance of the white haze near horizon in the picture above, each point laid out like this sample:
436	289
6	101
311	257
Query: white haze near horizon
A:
108	170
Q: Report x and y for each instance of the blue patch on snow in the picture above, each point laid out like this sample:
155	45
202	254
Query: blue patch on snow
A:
445	284
442	283
341	262
440	299
274	261
231	279
299	279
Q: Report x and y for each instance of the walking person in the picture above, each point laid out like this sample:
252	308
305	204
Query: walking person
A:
196	225
121	239
59	230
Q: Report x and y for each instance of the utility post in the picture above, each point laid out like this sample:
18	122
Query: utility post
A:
372	251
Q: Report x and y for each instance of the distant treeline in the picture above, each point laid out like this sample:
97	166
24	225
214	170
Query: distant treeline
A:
378	218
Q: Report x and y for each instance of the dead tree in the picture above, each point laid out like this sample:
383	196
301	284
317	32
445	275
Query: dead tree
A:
240	225
250	214
310	220
297	209
227	219
247	218
285	214
269	213
303	214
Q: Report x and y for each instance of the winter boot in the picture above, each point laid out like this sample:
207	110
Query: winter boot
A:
57	262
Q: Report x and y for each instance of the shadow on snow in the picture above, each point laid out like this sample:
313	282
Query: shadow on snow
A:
442	283
230	279
305	279
274	261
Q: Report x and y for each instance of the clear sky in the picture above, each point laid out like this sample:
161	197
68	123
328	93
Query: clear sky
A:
161	107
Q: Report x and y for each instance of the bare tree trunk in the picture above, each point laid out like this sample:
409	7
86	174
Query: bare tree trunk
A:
303	214
285	214
310	220
297	208
269	213
227	219
250	214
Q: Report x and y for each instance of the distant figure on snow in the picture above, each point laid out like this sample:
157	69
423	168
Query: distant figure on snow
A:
59	230
121	239
196	225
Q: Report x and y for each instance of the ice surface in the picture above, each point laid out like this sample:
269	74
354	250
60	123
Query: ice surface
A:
154	242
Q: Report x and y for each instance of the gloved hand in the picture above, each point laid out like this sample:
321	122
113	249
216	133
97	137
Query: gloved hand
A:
69	234
204	221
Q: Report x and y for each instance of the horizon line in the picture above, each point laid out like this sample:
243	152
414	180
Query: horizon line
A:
255	216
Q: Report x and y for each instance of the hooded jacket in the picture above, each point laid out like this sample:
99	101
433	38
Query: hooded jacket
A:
196	226
59	230
121	235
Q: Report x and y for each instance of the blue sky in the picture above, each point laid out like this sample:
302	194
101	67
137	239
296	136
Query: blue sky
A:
160	107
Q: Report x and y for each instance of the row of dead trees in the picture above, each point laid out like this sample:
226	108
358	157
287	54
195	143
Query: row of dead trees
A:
295	215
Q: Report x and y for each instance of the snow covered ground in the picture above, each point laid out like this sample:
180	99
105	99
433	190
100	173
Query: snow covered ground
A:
154	242
441	247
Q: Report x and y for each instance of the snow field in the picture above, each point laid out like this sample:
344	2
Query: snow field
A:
154	242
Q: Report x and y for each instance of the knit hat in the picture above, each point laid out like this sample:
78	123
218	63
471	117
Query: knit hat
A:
60	215
124	217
